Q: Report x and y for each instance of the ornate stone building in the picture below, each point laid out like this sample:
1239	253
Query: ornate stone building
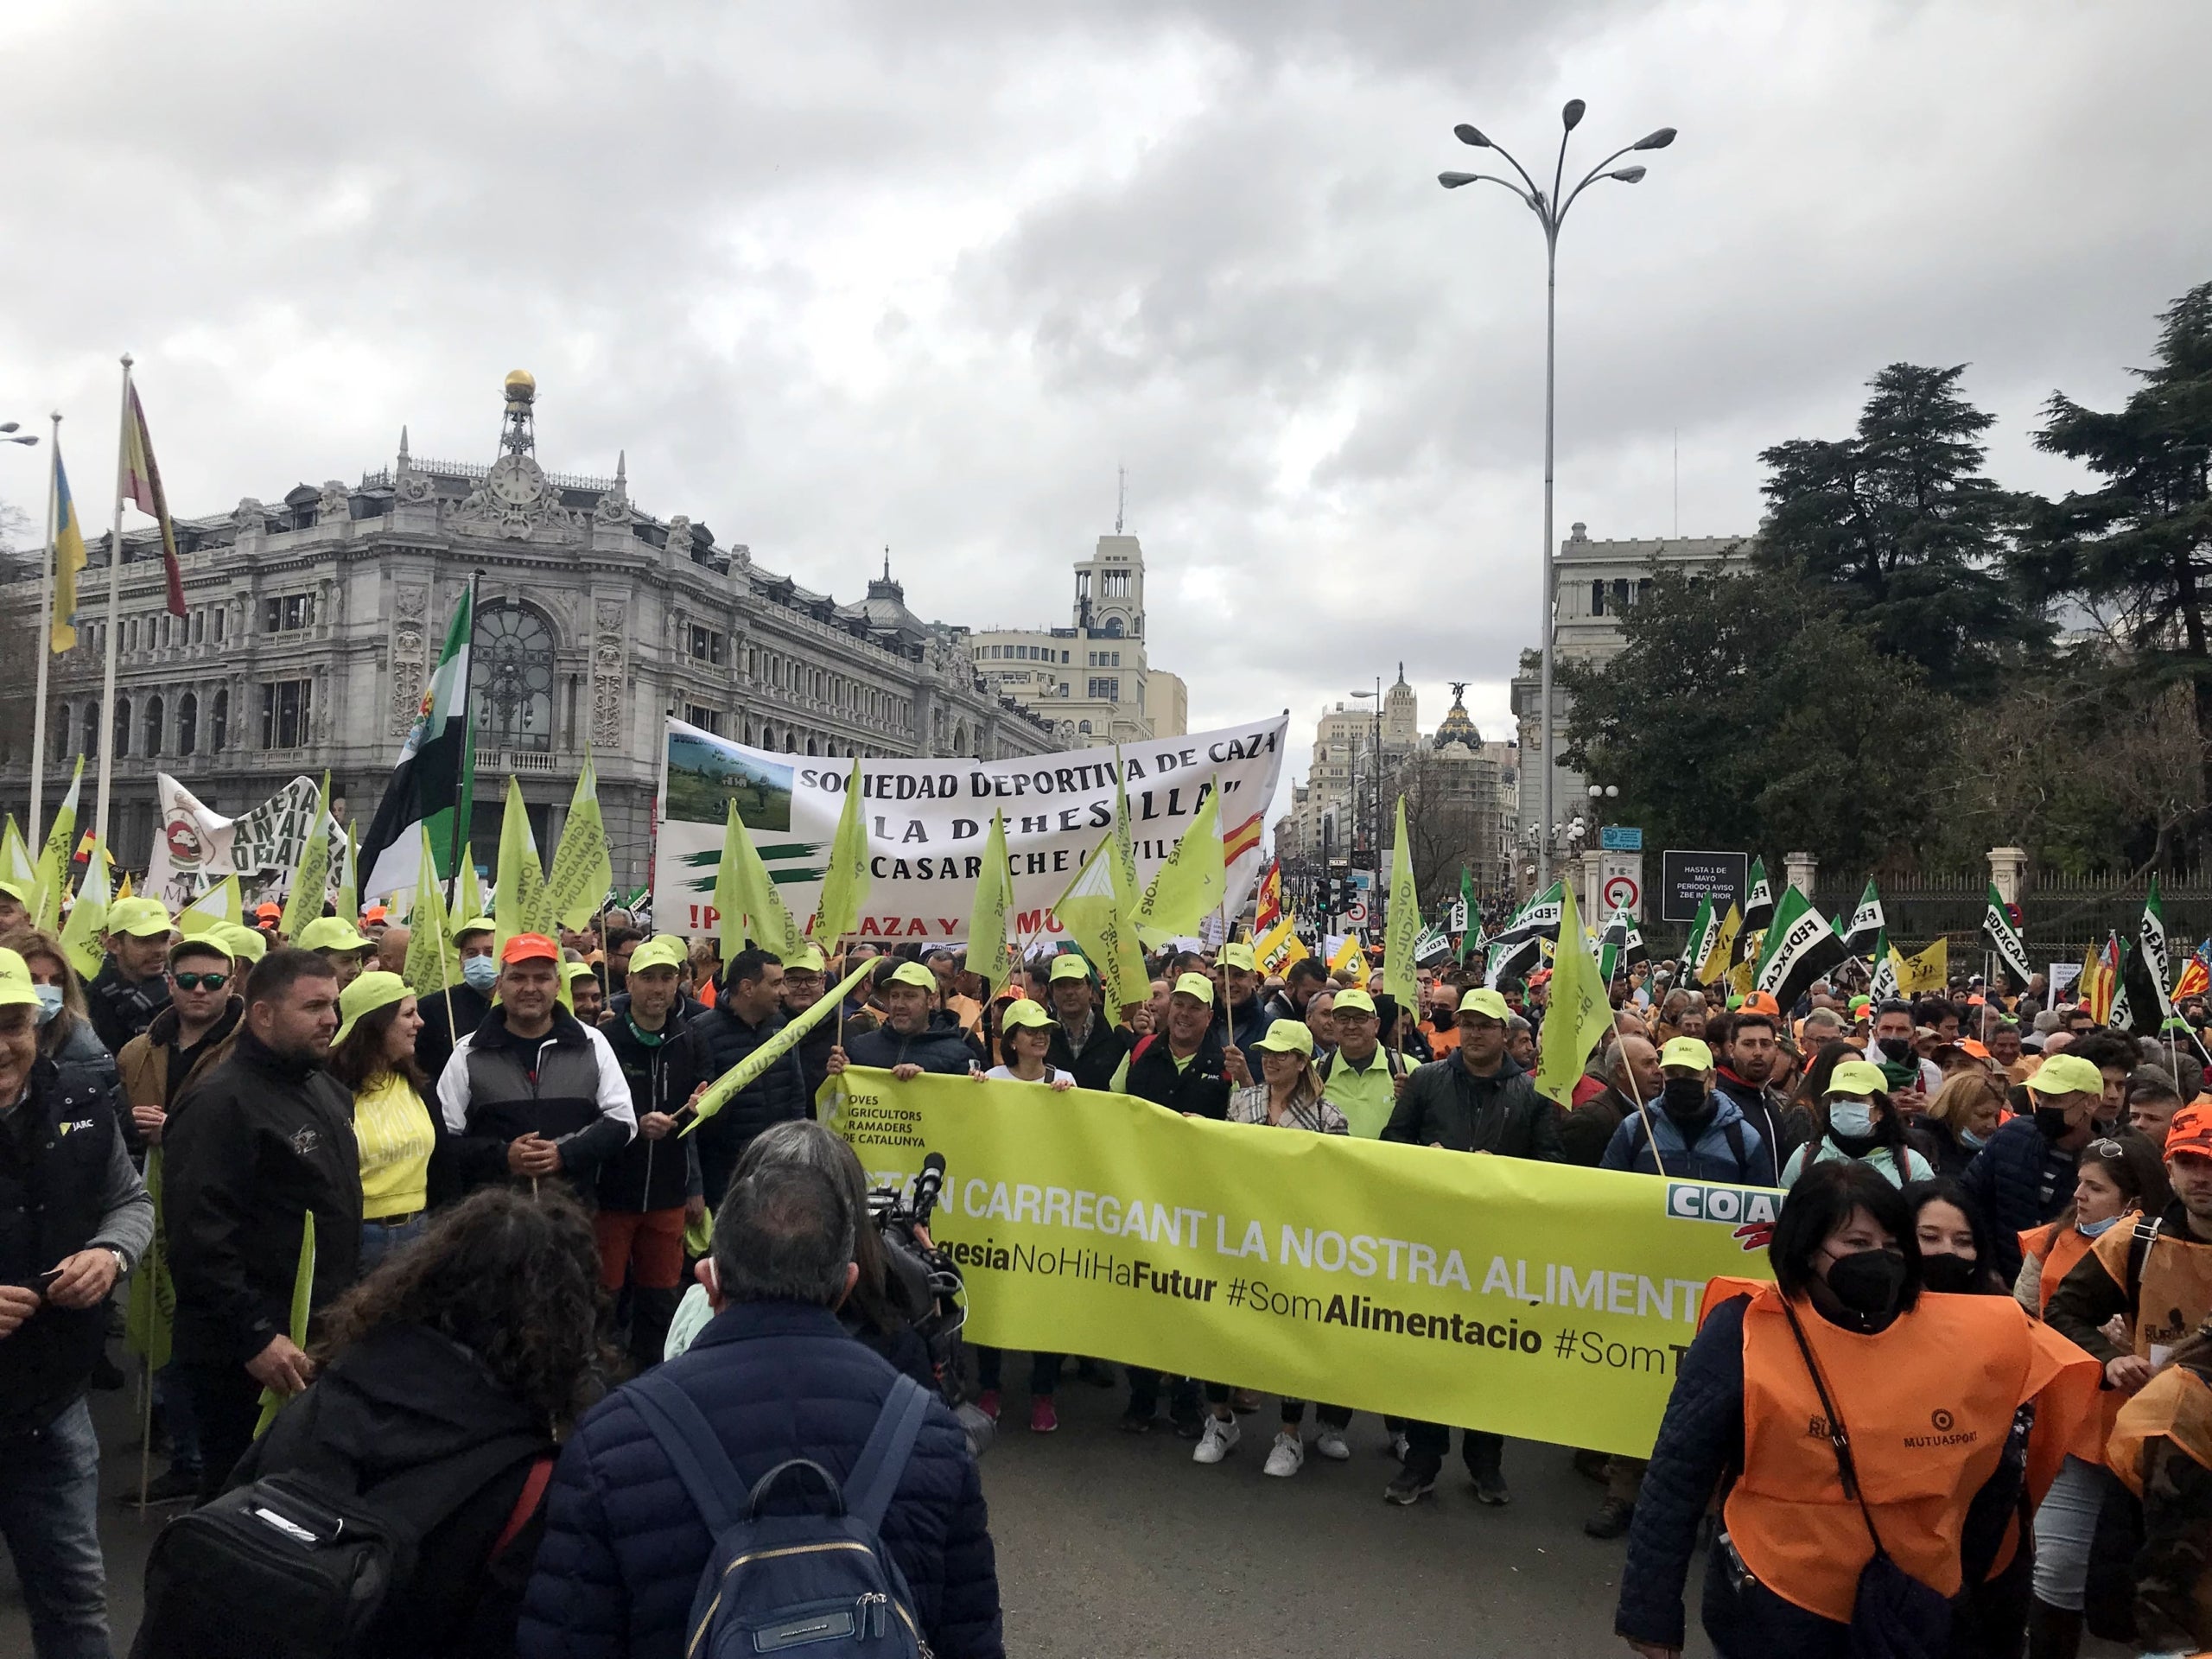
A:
315	621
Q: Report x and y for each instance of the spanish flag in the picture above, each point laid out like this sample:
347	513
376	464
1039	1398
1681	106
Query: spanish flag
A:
68	559
1240	839
142	484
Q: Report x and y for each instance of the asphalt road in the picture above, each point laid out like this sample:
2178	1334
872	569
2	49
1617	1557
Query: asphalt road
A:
1112	1544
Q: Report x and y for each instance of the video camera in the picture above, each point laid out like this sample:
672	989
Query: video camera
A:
929	1288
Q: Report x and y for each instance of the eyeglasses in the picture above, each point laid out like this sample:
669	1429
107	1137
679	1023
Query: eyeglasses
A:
194	981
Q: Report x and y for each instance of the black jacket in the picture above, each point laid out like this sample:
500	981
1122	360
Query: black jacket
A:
940	1046
1101	1057
2004	1182
554	1086
1448	1105
253	1147
411	1419
649	1174
1586	1130
1782	1124
120	1010
1201	1088
713	1043
434	1044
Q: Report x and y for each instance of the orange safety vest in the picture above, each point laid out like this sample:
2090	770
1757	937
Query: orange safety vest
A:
2071	1246
2176	1405
2175	1295
1928	1404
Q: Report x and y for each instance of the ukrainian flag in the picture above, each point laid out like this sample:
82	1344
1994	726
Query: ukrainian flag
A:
68	559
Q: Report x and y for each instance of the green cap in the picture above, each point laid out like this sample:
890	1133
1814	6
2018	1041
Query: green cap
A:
1068	965
16	988
1287	1037
363	997
1021	1013
573	971
1237	954
912	973
1482	1000
807	959
2067	1074
662	951
1353	1000
17	891
1688	1053
1196	985
332	933
245	944
1860	1077
142	919
474	924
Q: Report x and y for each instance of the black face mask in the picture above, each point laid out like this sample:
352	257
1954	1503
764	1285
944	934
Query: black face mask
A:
1684	1097
2050	1121
1895	1048
1950	1275
1867	1281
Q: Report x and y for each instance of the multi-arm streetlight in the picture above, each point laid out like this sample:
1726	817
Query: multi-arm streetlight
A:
10	434
1550	212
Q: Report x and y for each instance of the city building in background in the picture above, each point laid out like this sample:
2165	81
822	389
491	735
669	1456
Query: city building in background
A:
1597	583
1093	673
315	621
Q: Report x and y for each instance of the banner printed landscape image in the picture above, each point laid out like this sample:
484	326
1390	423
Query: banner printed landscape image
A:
705	777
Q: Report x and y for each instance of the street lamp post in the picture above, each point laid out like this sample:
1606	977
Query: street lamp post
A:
1550	212
1374	766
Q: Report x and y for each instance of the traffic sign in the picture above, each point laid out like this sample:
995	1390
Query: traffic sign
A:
1619	838
1622	893
1356	913
1620	883
1685	878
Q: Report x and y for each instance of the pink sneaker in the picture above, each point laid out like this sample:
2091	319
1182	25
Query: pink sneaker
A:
988	1403
1043	1420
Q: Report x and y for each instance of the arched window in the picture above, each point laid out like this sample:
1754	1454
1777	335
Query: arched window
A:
960	737
1083	725
811	748
513	669
121	732
219	724
1113	627
88	731
188	721
153	727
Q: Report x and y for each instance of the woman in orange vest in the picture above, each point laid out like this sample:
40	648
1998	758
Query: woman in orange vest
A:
1840	1364
2162	1448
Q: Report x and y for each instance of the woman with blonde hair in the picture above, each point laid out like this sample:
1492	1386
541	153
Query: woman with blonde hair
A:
65	1025
1960	1120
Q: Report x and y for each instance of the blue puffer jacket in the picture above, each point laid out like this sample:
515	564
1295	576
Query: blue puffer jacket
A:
624	1547
2004	1182
1714	1158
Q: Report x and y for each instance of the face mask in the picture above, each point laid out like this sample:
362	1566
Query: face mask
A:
480	973
49	1001
2050	1121
1951	1275
2095	1228
1867	1281
1972	1141
1852	1118
1895	1048
1683	1097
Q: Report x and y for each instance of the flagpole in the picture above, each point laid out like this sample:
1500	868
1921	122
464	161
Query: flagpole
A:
466	784
106	738
46	632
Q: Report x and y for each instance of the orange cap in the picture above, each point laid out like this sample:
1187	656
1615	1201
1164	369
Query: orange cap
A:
1969	1046
1763	1002
2189	1134
269	912
530	947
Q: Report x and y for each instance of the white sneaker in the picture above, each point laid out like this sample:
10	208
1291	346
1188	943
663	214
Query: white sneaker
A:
1218	1441
1399	1447
1287	1455
1331	1444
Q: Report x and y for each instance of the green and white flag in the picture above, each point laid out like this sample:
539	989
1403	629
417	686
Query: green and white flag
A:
1800	947
1882	986
2150	945
1758	909
1700	945
434	781
1868	923
1620	946
2005	938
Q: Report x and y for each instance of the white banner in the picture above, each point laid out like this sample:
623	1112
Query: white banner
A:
191	846
269	840
927	821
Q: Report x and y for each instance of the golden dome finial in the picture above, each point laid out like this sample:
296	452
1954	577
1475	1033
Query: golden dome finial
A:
522	386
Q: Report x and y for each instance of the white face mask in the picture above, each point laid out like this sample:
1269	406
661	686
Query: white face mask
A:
1851	1118
481	972
49	1002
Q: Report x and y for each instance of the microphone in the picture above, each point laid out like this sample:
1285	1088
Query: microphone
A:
927	1185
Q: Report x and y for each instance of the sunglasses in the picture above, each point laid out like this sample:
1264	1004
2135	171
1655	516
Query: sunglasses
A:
194	981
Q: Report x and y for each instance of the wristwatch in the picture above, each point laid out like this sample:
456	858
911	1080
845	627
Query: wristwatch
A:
122	1262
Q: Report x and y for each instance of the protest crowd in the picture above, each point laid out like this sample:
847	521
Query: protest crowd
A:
494	1275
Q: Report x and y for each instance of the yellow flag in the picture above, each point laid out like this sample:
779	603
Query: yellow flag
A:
311	882
1579	1014
1091	912
1191	884
583	869
124	891
989	955
468	888
519	904
1403	930
302	1299
745	895
426	967
222	903
1349	955
16	866
1724	942
346	897
54	857
1279	947
1927	974
844	889
725	1088
80	934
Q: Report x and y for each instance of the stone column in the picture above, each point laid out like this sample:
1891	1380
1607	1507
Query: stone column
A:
1593	898
1800	870
2008	869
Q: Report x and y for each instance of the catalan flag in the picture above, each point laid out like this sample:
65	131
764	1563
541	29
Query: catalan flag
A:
68	559
142	484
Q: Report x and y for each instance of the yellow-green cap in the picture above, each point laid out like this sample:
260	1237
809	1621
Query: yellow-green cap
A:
474	924
1287	1037
1482	1001
143	918
250	943
1859	1078
2067	1074
363	997
1237	954
662	951
1068	965
17	891
1020	1012
1353	1000
332	933
573	971
807	959
16	988
1196	985
1688	1053
912	973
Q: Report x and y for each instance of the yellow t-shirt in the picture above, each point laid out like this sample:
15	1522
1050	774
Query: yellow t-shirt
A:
393	1127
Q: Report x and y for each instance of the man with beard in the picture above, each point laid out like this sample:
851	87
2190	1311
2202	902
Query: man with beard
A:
1750	1051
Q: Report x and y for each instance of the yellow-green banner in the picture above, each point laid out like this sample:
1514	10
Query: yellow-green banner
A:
1541	1300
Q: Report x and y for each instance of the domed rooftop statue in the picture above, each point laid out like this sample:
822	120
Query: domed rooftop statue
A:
1456	727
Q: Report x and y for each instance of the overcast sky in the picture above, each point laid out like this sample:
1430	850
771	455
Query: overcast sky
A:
837	275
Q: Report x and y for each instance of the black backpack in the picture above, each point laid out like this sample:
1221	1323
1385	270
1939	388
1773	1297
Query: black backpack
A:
300	1565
